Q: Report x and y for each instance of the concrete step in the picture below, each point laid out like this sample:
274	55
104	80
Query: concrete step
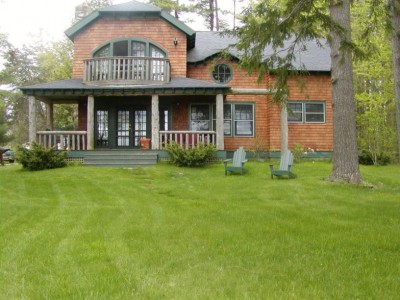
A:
120	159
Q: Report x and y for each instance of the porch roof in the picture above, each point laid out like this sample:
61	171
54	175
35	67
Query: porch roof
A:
75	88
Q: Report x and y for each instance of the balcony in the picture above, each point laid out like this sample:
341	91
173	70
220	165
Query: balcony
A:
126	70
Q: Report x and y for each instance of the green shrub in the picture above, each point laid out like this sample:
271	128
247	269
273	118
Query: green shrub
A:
192	157
258	148
366	157
298	152
38	158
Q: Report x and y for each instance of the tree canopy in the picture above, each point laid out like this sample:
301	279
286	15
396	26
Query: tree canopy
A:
298	21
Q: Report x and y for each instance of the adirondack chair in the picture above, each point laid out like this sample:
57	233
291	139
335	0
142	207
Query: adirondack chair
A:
285	166
238	161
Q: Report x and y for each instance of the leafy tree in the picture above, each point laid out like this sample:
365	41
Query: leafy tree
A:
374	84
389	12
294	22
394	13
4	136
27	66
173	7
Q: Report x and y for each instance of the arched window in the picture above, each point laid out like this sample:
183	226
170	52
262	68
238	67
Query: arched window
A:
135	47
129	60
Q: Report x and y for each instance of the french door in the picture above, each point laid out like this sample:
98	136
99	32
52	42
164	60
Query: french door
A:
131	127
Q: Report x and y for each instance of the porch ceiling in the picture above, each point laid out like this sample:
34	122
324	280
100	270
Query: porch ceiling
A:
75	89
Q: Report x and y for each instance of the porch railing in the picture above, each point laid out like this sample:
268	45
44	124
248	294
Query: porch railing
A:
126	70
187	138
63	140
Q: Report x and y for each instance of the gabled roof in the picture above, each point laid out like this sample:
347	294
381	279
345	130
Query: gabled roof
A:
132	9
210	44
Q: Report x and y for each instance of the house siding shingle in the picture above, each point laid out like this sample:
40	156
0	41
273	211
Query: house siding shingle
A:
153	29
267	115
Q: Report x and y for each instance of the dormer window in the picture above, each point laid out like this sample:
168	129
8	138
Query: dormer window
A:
130	47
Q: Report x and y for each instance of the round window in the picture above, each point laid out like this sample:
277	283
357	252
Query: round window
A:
222	73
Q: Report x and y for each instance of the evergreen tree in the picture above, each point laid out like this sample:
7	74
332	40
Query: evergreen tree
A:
173	7
294	22
211	13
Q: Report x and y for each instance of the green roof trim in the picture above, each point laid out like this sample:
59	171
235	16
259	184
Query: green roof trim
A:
74	29
178	24
131	9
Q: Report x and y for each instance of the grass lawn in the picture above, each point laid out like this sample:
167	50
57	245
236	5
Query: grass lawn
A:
165	232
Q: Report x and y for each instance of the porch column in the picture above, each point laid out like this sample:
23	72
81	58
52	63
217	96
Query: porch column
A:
90	123
155	123
220	122
32	118
50	116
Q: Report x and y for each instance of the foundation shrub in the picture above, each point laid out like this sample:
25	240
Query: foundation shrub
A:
193	157
37	157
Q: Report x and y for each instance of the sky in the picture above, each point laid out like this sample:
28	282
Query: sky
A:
29	21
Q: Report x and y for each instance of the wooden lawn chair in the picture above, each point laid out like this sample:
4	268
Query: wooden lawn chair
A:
285	166
238	161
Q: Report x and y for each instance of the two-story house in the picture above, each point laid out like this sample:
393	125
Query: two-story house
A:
139	73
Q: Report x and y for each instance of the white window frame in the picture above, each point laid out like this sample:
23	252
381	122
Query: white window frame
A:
233	120
304	112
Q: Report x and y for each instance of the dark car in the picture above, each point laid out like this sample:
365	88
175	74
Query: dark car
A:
8	156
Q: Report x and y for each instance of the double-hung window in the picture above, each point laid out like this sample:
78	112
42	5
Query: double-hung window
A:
243	119
238	118
306	112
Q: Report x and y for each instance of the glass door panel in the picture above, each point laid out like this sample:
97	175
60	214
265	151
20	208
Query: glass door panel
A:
102	128
123	128
140	128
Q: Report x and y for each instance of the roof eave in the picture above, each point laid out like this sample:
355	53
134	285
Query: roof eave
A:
74	29
77	27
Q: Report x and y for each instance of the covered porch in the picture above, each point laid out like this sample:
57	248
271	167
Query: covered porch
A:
131	117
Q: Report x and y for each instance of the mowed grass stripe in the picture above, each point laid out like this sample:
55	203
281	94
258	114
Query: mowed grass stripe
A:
166	232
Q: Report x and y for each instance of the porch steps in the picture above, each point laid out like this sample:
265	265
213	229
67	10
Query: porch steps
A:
120	158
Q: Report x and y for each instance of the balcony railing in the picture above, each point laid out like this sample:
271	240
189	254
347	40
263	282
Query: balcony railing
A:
63	140
126	70
187	138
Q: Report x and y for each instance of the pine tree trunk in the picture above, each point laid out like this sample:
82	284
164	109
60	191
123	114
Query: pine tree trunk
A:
284	128
395	39
211	3
177	9
234	14
345	154
216	15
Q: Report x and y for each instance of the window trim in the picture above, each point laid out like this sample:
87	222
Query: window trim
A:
210	116
232	120
148	45
304	112
219	64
